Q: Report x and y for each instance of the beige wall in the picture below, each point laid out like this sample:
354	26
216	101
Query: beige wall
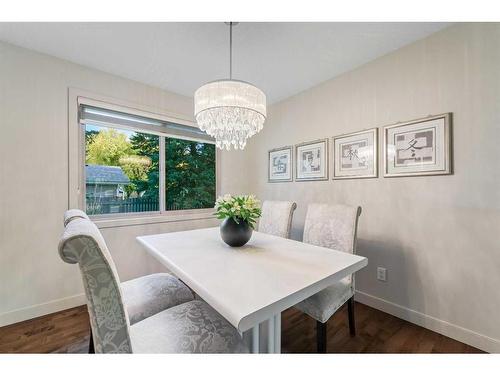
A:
34	181
437	236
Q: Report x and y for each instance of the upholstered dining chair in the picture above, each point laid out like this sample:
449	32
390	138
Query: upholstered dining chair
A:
335	227
147	295
277	217
190	327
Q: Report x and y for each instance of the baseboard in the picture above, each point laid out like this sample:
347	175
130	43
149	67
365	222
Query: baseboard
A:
488	344
15	316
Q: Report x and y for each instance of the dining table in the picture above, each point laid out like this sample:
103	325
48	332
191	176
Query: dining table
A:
252	284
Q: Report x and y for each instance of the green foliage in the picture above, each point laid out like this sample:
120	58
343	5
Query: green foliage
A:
135	167
107	147
89	136
240	207
147	145
190	174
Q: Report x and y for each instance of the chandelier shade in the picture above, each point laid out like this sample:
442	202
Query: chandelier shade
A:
231	111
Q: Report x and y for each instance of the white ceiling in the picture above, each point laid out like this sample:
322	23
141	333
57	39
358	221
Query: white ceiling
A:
280	58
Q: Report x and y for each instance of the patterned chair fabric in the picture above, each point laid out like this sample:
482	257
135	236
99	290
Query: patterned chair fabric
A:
204	328
82	243
277	218
148	295
335	227
322	305
193	327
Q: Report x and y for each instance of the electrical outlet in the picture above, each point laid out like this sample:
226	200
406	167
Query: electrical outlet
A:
381	274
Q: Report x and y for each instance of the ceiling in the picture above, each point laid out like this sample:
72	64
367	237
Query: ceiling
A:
280	58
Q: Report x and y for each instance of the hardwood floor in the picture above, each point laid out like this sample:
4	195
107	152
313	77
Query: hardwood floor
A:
377	332
63	332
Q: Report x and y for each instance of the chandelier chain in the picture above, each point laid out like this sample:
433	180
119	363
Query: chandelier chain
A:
230	50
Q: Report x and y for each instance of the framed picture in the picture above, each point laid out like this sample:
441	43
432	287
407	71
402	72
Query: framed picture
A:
419	147
280	165
312	161
355	155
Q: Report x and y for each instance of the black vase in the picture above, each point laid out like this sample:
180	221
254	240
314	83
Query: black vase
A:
235	234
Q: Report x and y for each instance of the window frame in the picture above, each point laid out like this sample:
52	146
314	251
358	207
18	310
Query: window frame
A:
76	153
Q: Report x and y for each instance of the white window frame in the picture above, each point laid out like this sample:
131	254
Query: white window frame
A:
76	158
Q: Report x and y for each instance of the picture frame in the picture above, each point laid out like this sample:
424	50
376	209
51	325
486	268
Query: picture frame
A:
280	164
420	147
311	160
355	155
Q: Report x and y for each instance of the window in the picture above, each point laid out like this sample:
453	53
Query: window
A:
190	174
136	164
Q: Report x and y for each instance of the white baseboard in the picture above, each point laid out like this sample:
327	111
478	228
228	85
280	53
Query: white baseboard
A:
15	316
458	333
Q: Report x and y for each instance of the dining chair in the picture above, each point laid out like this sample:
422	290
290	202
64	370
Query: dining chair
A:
335	227
277	217
147	295
190	327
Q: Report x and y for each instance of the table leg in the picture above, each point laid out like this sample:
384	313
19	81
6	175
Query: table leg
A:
273	336
277	333
270	335
255	339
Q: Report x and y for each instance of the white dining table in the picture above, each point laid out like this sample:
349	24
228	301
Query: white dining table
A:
254	283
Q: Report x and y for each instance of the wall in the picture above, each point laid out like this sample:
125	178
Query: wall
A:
34	181
437	236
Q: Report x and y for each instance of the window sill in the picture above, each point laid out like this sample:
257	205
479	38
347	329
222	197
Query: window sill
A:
156	218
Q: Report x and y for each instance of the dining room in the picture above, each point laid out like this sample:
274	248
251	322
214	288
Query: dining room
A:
253	187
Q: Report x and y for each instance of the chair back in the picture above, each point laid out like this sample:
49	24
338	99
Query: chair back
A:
73	214
277	217
82	243
332	226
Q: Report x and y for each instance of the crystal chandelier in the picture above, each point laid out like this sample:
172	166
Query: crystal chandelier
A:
229	110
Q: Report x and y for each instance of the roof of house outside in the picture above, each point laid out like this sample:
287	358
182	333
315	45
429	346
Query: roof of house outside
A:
104	174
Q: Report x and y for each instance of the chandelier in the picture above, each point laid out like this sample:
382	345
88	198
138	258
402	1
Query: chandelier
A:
230	110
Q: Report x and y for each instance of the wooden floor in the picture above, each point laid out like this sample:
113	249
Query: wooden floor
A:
377	332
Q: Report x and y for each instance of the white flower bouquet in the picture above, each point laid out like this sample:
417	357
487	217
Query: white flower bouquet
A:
240	208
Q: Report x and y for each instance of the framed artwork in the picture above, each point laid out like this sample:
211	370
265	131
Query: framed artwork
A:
355	155
312	161
280	164
418	148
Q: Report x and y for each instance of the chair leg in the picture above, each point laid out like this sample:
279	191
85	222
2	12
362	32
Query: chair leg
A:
352	322
321	337
91	343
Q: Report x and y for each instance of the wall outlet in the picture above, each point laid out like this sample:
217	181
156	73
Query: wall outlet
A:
381	274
